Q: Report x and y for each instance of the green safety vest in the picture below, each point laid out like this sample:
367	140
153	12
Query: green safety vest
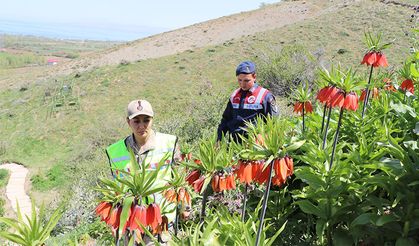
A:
120	159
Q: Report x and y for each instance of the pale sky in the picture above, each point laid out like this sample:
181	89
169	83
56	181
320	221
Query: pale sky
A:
152	13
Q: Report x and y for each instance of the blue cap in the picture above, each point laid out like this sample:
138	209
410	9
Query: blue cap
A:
246	67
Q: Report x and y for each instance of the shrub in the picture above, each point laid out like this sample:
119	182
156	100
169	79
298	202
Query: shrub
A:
281	71
201	117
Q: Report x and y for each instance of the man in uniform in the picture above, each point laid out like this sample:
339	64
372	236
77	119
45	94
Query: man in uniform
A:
246	103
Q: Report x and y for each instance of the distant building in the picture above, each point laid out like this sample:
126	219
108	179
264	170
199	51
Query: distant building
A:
52	61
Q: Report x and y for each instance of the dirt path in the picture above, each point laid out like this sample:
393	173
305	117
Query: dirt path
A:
15	189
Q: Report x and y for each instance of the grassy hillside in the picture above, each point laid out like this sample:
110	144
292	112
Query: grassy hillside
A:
52	47
59	125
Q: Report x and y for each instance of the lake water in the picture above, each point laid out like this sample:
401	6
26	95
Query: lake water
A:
78	31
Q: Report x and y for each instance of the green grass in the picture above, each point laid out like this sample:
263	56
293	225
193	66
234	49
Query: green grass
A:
8	60
56	47
4	177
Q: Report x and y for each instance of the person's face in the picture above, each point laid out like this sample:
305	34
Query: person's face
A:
141	125
246	81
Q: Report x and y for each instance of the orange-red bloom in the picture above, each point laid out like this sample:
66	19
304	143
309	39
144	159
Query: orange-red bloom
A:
389	87
103	210
197	184
138	217
186	156
193	176
244	173
326	93
231	183
407	85
153	216
215	183
115	217
338	99
298	107
281	171
381	60
374	92
170	195
290	165
351	101
369	58
375	59
220	183
308	108
263	174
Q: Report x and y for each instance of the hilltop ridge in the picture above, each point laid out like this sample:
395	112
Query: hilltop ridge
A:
211	32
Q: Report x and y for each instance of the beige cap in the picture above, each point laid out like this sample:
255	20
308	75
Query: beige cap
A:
139	107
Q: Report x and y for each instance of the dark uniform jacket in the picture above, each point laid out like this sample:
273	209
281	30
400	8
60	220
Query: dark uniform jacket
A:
245	106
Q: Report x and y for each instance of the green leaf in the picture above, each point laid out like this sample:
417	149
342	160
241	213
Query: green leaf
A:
14	238
295	146
271	240
341	237
126	207
405	242
416	130
402	109
320	227
362	219
413	70
384	219
413	183
309	208
306	175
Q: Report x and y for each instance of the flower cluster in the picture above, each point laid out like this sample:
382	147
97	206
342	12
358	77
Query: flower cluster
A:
221	182
139	217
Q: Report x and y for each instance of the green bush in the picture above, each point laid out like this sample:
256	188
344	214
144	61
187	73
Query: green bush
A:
281	71
200	118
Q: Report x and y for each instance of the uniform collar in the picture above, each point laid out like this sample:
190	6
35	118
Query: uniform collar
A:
149	145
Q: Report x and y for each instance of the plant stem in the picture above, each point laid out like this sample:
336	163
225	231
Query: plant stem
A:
244	201
265	201
336	138
117	237
367	93
176	219
324	115
204	203
303	118
327	126
329	237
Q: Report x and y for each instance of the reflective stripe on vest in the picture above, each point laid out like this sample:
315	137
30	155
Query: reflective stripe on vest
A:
252	101
119	155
